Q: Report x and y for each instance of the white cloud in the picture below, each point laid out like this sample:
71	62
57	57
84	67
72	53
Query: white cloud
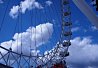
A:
1	1
35	35
38	5
75	29
14	11
93	28
53	54
24	6
83	54
49	2
93	2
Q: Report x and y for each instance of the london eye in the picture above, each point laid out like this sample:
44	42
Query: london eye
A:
37	33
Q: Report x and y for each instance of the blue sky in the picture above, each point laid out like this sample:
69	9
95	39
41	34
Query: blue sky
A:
82	27
80	21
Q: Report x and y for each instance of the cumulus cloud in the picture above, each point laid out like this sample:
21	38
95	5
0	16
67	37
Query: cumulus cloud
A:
34	37
54	55
75	29
49	2
93	2
94	28
14	11
83	53
24	6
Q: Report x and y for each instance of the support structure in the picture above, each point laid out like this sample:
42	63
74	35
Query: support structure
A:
66	25
87	11
66	32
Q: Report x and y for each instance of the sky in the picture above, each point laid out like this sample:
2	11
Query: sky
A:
22	16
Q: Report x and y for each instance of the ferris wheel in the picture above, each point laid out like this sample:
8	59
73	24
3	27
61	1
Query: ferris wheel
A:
40	43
